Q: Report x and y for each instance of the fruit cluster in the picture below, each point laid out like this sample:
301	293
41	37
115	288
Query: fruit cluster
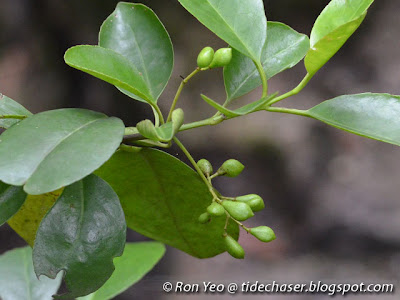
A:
208	59
237	209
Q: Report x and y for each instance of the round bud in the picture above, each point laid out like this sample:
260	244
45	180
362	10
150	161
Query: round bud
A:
233	247
263	233
205	166
204	218
238	210
215	209
222	57
255	202
205	57
231	168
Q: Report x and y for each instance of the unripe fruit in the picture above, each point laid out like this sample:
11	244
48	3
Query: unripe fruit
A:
255	202
231	168
205	57
215	209
263	233
222	57
233	247
205	166
238	210
204	218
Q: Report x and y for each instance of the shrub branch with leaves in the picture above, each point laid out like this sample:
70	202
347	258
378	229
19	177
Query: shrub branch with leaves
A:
73	180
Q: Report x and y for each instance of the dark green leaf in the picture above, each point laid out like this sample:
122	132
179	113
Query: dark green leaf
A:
65	145
241	24
162	198
11	200
137	260
244	110
81	235
135	32
337	22
10	107
109	66
19	282
375	116
283	49
26	221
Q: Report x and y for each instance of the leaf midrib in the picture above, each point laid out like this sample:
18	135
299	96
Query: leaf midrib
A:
145	71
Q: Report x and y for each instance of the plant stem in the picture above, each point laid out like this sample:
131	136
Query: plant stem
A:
159	113
292	111
293	92
150	143
156	117
263	77
179	91
193	162
210	121
19	117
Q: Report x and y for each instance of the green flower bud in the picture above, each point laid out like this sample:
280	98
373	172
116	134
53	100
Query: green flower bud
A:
255	202
205	57
204	218
233	247
177	119
238	210
222	57
215	209
205	166
231	168
263	233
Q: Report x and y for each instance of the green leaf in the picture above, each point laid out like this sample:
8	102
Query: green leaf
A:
26	221
244	110
242	25
81	235
109	66
135	32
65	145
164	133
337	22
18	281
11	200
137	260
375	116
9	107
283	49
162	198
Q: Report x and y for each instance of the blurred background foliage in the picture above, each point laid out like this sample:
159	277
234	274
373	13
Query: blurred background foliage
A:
332	197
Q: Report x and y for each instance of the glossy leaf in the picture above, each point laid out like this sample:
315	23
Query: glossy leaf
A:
337	22
109	66
11	200
18	281
10	107
81	235
283	49
65	145
375	116
137	260
135	32
244	110
242	25
26	221
162	198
